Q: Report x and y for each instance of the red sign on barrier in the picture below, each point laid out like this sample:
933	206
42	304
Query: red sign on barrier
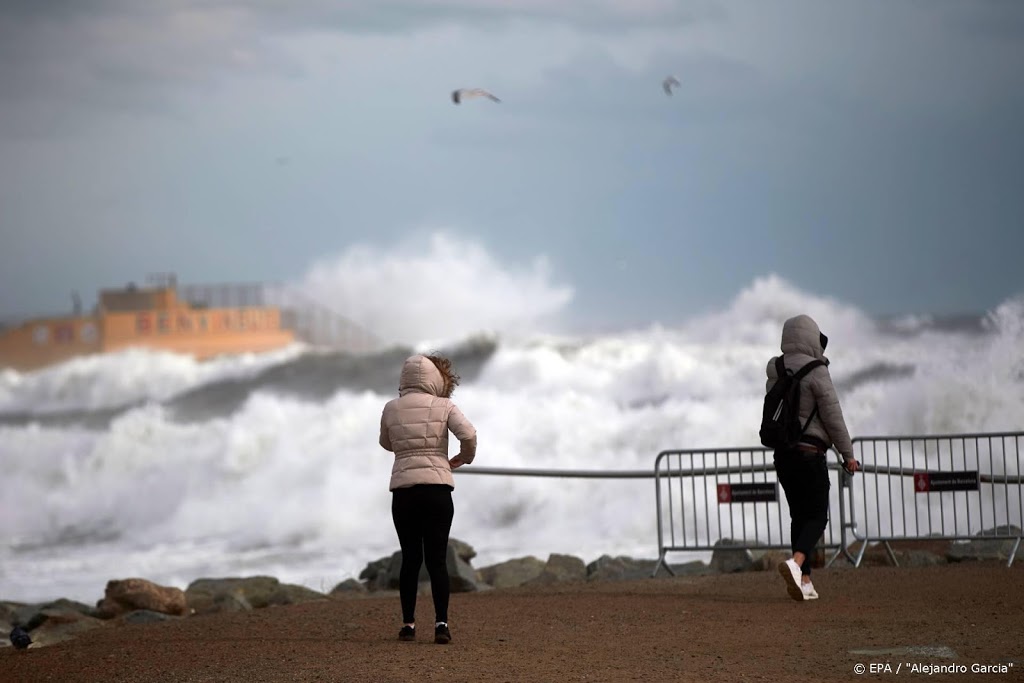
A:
927	482
724	493
761	492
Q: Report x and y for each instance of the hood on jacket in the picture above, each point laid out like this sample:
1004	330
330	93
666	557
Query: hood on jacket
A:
420	374
800	334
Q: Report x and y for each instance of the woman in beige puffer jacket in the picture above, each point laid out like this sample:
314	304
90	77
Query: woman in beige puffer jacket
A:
415	427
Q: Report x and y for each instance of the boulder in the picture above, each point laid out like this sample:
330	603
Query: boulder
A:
9	610
560	568
207	595
292	594
731	556
31	615
348	587
462	549
144	616
512	573
768	560
462	575
919	558
61	609
126	595
608	568
692	568
60	625
375	569
986	548
378	573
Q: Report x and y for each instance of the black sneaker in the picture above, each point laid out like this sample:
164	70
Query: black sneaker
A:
442	636
407	633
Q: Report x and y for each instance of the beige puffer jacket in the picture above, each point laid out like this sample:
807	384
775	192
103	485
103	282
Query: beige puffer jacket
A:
415	426
801	343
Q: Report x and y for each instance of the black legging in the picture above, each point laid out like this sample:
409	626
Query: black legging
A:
423	517
804	478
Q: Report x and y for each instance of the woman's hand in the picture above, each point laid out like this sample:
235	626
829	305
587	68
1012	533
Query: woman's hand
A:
851	465
456	463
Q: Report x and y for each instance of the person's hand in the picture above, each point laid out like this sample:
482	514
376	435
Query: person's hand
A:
456	463
851	465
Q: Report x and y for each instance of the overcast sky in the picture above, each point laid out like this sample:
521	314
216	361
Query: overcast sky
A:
867	150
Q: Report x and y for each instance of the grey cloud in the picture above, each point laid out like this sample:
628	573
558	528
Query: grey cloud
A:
387	15
990	19
400	15
76	64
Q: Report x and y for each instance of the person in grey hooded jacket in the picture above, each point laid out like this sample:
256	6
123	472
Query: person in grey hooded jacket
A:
802	470
415	428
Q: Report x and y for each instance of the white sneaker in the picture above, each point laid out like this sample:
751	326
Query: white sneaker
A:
790	572
808	590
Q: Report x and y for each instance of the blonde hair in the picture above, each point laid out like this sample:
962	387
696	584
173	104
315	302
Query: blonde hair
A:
451	379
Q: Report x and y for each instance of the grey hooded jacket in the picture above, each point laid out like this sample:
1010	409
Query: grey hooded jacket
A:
415	427
801	343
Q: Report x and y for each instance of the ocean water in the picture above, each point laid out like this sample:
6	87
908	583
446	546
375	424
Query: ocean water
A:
153	465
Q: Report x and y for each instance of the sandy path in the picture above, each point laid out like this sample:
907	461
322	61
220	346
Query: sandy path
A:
739	627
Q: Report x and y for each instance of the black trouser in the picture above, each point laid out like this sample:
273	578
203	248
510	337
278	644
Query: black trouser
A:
804	478
423	517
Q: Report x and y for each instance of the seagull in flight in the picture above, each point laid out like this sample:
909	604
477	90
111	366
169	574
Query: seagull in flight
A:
667	84
465	93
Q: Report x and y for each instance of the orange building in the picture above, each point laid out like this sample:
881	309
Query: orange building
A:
152	318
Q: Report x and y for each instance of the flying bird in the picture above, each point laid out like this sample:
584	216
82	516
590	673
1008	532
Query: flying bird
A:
464	93
667	84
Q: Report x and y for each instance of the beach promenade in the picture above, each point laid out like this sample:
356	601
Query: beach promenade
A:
967	617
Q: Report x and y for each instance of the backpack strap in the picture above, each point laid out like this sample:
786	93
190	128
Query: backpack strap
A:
807	368
781	371
811	417
800	374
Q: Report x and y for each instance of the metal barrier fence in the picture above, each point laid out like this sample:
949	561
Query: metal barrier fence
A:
952	487
560	474
915	488
938	487
707	499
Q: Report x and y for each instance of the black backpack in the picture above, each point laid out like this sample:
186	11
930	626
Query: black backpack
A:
780	420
